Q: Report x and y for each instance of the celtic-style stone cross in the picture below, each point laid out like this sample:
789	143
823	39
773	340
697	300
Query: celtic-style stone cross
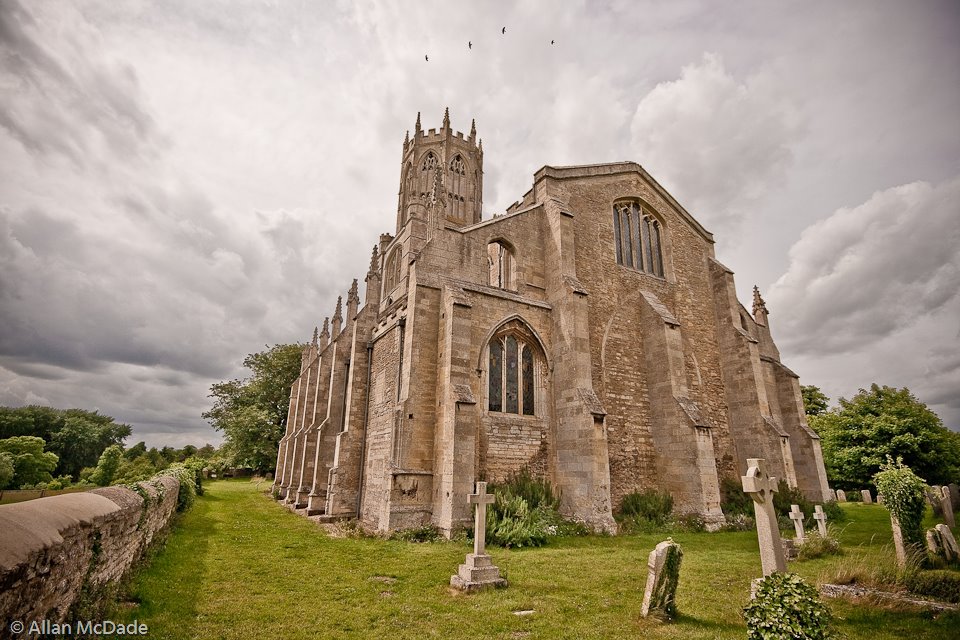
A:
761	487
797	516
481	498
821	519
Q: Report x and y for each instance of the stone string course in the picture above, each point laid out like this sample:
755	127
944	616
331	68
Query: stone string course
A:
54	549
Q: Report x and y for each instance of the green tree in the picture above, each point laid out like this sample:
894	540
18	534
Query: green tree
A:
6	469
878	422
815	401
107	466
76	436
31	464
252	413
135	451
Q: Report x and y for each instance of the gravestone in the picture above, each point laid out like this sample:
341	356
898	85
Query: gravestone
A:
821	519
663	575
478	571
898	544
939	546
954	495
761	487
841	495
948	541
867	498
797	516
879	498
946	504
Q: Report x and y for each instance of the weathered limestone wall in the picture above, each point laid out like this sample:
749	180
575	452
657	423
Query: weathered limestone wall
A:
53	549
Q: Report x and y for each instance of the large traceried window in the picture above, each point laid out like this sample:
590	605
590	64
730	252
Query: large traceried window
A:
638	237
502	266
458	169
511	376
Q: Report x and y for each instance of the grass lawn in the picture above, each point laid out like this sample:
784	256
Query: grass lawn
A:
238	565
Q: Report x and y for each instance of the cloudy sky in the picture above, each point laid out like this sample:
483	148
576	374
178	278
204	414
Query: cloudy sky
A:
183	182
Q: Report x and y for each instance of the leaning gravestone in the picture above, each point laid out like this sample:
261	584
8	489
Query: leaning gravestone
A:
938	546
797	516
867	498
841	495
947	505
478	572
948	541
821	519
761	487
663	575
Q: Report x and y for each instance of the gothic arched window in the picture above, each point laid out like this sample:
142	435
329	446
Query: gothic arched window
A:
391	271
458	169
511	376
502	266
427	170
638	238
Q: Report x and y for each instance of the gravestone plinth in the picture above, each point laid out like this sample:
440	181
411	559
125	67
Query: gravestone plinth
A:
478	571
663	576
821	519
761	487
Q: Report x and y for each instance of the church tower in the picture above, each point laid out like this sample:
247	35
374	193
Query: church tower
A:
441	167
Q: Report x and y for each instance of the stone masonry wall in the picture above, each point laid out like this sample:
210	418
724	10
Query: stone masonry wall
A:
54	549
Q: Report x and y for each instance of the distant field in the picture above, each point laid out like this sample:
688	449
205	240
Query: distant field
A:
238	565
11	496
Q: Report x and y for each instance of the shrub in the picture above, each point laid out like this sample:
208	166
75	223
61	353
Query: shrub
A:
785	607
937	583
816	546
524	513
426	533
644	511
834	511
733	501
188	484
903	495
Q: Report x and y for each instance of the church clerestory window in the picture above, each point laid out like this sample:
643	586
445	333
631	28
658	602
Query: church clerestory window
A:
511	376
638	238
391	271
502	266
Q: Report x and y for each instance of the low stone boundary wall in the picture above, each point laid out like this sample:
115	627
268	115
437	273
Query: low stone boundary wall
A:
56	548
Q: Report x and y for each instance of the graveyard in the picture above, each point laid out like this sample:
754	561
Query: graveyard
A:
240	565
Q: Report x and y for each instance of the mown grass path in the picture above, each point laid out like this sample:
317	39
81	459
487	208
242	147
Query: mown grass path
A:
240	566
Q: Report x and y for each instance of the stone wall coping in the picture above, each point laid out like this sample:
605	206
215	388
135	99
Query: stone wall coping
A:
31	526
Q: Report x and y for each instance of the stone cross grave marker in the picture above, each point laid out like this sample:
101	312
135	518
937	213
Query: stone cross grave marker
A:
841	495
478	571
947	503
797	516
867	498
663	575
821	519
761	487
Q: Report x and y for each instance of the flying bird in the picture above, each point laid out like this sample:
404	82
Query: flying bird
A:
427	58
551	42
504	31
469	45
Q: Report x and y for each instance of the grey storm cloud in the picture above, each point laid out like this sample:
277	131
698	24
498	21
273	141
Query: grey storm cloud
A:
871	270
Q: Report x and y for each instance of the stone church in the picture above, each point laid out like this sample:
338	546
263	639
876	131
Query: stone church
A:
588	334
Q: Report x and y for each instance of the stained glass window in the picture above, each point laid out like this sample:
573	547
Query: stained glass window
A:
616	235
511	391
496	376
527	380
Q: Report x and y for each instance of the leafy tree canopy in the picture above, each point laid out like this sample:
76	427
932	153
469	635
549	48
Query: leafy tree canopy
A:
815	401
76	436
107	466
31	464
883	421
252	412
